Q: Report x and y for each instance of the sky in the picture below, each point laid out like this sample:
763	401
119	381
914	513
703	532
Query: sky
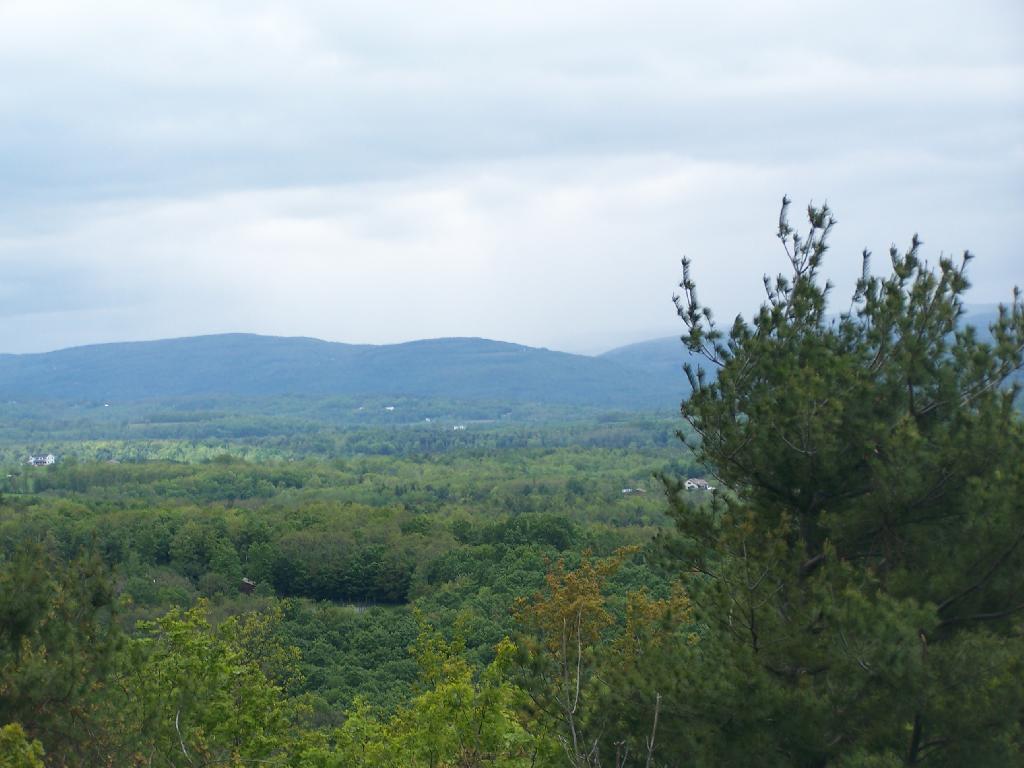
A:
530	172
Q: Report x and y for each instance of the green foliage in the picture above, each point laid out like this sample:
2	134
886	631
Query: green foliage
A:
17	750
180	690
852	591
336	541
59	644
460	719
586	669
861	584
201	695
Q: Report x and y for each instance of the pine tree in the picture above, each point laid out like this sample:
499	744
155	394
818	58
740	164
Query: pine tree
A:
860	577
59	646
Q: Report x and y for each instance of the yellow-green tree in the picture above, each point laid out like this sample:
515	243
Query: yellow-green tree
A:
198	697
460	719
587	670
17	750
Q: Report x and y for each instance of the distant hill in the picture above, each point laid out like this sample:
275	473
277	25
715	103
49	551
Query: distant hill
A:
253	366
643	376
661	360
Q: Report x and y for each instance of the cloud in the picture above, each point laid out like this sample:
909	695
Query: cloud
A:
577	254
377	172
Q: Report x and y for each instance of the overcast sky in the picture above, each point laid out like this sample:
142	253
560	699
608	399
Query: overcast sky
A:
532	172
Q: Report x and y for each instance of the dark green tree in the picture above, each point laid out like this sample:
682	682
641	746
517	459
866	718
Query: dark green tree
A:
59	647
860	576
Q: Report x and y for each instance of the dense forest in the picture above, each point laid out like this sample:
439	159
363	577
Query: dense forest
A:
209	583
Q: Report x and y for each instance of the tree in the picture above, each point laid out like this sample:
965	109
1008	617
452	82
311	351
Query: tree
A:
589	673
59	647
862	579
16	751
458	720
200	697
560	653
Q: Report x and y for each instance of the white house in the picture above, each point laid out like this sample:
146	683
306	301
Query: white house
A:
42	461
697	484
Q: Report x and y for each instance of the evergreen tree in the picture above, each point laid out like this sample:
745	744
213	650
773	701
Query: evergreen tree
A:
59	647
860	577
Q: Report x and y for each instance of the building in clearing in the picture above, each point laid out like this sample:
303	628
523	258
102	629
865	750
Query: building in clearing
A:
42	461
698	484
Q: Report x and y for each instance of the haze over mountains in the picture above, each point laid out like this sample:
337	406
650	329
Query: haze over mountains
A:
643	376
247	365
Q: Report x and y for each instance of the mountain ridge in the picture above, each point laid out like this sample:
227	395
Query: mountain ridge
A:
251	364
640	376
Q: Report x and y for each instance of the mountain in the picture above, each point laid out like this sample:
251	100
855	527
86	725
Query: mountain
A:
661	360
248	365
642	376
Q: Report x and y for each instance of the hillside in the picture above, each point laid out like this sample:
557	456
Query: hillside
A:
247	365
642	376
660	359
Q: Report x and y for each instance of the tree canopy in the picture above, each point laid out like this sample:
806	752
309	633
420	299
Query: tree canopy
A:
851	595
864	574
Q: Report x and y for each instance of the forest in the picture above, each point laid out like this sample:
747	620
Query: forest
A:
217	584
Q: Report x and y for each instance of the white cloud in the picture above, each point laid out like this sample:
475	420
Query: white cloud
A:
577	254
376	172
